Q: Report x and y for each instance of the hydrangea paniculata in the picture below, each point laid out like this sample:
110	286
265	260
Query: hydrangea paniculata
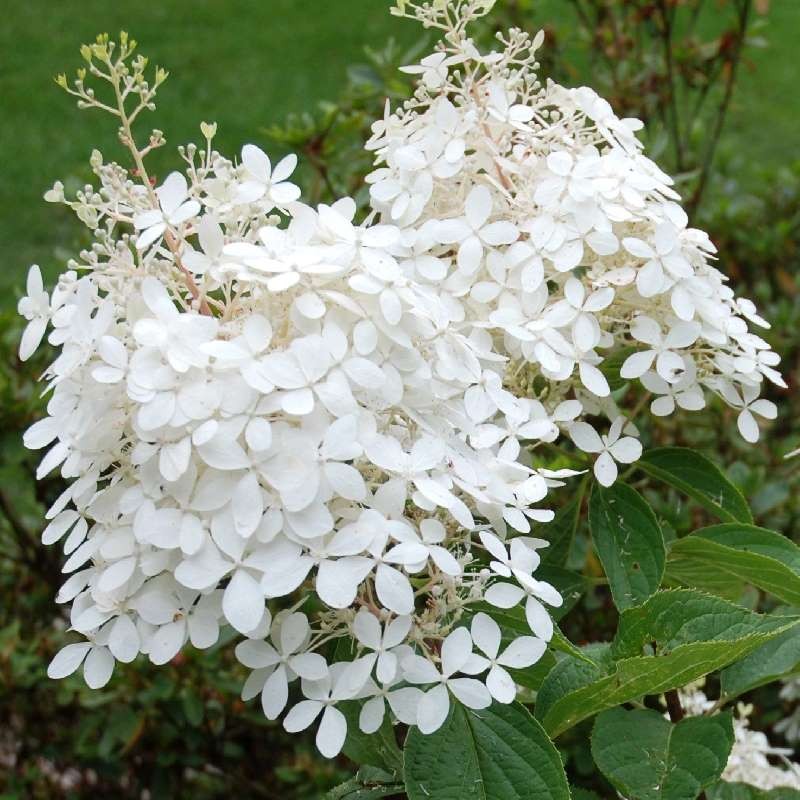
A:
320	430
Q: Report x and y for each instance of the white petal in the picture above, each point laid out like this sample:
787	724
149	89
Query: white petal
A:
332	732
605	469
486	634
405	704
471	692
456	650
748	426
522	652
478	206
67	660
243	602
470	255
585	437
302	715
539	619
432	710
501	685
371	716
311	666
167	641
637	364
257	654
394	590
98	667
338	581
503	595
275	694
367	629
626	450
123	642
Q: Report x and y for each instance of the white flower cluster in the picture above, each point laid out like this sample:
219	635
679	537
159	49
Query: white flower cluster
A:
789	726
752	755
260	405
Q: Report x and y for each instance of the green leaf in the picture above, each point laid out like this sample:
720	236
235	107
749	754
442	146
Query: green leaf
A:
561	531
368	784
701	479
377	749
771	661
673	639
629	543
571	586
744	553
498	753
612	367
646	757
744	791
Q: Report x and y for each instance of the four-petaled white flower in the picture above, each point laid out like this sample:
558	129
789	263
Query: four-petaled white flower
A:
433	68
35	307
611	448
175	208
344	681
367	630
263	182
434	705
284	661
747	399
670	365
473	231
522	652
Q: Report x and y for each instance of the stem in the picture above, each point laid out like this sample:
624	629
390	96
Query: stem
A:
169	236
722	113
674	706
665	29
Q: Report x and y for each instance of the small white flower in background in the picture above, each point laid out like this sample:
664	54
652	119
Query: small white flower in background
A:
341	415
753	760
433	68
789	726
35	307
611	448
175	208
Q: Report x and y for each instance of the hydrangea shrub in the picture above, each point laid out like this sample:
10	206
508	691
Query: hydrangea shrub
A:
338	437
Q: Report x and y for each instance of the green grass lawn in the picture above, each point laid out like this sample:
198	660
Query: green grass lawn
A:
245	64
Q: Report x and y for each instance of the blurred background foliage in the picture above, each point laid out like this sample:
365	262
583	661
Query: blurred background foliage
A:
716	82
